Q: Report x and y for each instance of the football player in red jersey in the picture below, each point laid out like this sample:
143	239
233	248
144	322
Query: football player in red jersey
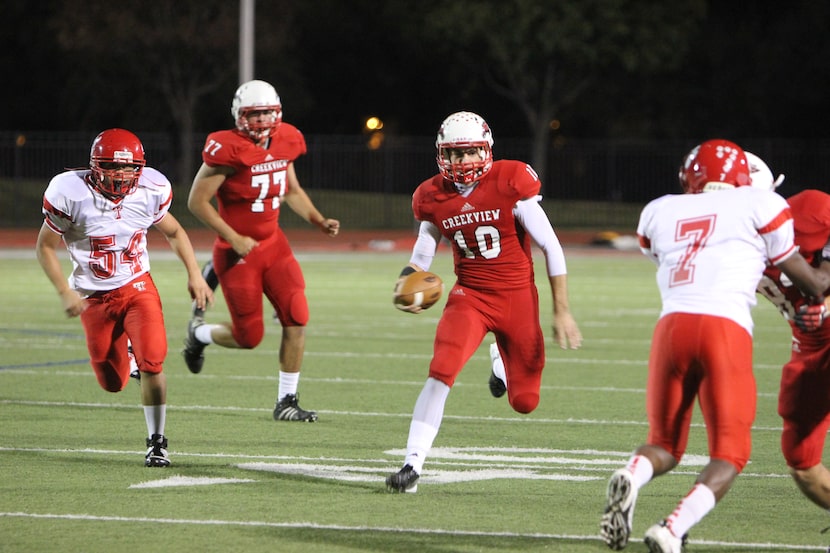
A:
250	170
804	394
102	215
488	211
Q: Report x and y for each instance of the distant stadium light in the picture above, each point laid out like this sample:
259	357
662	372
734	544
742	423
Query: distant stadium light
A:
374	124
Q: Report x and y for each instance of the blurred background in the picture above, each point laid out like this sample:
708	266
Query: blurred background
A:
603	97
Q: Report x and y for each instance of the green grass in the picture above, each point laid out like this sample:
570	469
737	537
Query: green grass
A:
71	455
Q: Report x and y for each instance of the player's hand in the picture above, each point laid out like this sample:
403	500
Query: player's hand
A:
200	292
243	245
414	309
73	303
566	332
810	317
330	226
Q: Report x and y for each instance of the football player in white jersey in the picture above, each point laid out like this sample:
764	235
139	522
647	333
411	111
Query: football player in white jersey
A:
711	246
102	215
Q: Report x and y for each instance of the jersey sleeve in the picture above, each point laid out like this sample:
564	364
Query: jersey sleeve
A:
58	200
220	149
774	222
161	192
521	180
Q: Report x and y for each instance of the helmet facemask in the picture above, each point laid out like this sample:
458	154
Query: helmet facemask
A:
260	99
459	132
115	162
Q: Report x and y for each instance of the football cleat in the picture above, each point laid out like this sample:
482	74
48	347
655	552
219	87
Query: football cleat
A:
134	372
194	350
497	387
659	539
403	481
615	525
156	452
288	409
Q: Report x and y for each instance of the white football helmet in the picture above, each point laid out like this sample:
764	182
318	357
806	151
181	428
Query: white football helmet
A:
256	96
460	130
760	174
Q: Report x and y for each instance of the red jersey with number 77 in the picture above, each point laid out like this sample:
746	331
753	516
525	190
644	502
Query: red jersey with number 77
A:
249	200
491	250
712	248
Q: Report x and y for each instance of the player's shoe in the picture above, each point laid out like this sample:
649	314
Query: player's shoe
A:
194	350
134	372
156	452
213	281
497	387
659	539
403	481
288	409
616	522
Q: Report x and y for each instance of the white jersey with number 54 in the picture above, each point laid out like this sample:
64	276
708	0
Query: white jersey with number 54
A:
711	248
107	241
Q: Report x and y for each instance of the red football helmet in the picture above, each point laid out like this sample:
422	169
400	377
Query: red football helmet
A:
714	165
257	96
464	130
116	160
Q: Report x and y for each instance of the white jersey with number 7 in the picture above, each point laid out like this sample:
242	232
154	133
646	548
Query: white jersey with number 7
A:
711	248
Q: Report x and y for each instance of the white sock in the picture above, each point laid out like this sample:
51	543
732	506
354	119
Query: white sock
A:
203	333
498	366
426	420
154	416
288	384
641	469
691	510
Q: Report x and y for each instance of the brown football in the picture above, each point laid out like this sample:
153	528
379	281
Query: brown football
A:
420	288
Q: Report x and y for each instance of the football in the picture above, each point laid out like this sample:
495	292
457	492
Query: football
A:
420	288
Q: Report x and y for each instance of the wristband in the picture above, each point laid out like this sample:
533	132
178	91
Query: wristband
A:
407	271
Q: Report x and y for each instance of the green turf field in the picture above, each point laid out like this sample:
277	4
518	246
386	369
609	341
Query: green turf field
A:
71	455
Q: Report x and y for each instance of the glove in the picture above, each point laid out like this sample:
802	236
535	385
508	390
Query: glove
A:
810	317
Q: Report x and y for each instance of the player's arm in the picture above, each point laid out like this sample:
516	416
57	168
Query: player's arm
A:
811	281
180	243
301	204
48	243
205	185
534	219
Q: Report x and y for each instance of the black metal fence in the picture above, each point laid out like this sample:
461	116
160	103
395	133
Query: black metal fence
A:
370	187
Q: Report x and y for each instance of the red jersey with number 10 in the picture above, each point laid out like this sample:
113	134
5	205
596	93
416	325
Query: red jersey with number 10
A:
249	200
491	250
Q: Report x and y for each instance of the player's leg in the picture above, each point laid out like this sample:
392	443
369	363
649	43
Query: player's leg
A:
242	290
727	396
669	403
521	345
804	404
459	333
111	366
285	289
144	324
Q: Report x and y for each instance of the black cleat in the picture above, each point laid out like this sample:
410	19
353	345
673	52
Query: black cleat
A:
194	350
288	409
403	481
156	452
